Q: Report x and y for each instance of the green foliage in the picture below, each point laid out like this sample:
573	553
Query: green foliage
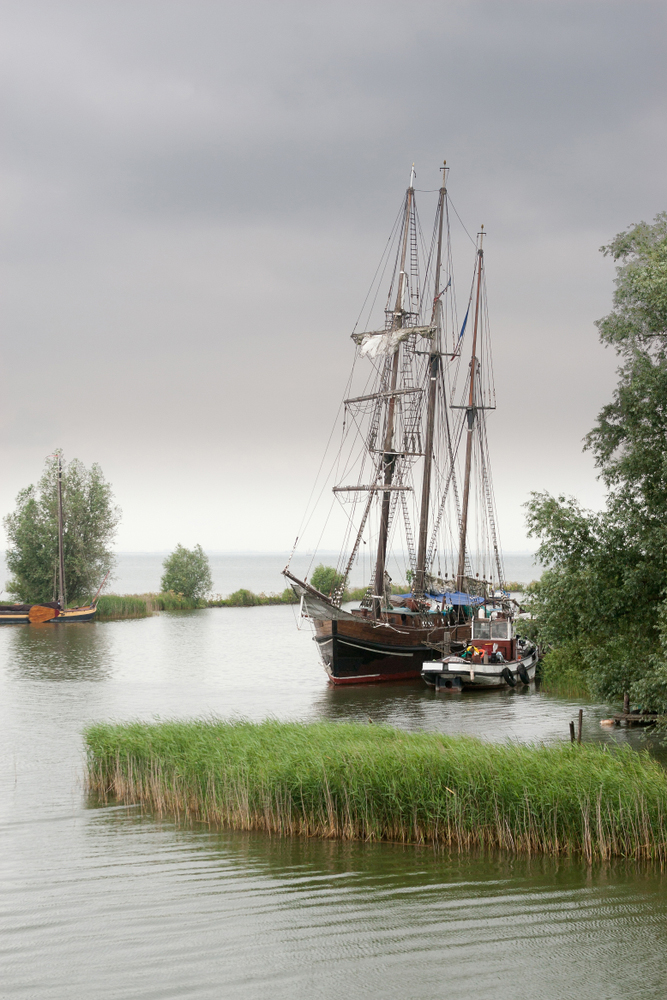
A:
563	671
358	593
607	583
90	519
247	599
171	601
187	572
325	579
112	607
640	299
376	783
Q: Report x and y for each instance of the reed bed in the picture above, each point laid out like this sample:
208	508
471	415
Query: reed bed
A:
244	598
112	607
368	782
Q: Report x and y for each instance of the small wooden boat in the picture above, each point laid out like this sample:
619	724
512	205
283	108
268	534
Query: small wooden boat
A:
35	614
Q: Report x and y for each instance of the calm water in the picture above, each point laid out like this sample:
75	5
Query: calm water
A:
102	902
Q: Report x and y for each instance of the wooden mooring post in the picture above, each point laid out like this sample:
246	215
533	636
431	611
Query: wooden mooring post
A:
580	725
572	732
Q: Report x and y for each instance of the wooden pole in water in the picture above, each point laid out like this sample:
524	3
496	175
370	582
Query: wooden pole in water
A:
580	725
572	732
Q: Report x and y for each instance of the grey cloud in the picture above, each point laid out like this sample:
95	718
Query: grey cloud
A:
195	194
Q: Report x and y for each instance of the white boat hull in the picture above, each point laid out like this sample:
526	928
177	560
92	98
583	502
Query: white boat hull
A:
453	673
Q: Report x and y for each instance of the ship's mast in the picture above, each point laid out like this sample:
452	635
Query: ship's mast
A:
61	554
471	413
433	369
389	455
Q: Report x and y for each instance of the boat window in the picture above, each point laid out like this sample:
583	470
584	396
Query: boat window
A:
500	630
481	630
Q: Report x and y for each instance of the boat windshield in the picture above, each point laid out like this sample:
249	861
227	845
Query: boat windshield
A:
501	629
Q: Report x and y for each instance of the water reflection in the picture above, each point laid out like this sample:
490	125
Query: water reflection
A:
72	652
328	919
104	902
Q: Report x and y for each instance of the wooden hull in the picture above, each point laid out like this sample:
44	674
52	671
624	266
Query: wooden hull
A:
368	652
84	614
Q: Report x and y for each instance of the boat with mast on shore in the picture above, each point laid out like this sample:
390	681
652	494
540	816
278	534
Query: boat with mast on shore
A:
406	435
55	611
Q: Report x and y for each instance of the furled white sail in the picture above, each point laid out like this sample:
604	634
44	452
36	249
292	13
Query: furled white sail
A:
379	343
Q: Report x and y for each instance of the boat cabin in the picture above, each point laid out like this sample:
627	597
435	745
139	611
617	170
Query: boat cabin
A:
494	634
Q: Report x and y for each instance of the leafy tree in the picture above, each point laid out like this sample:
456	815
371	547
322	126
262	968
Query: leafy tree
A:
325	579
90	519
603	598
187	572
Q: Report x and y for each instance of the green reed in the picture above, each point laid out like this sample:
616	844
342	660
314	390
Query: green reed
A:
244	598
371	782
170	601
112	607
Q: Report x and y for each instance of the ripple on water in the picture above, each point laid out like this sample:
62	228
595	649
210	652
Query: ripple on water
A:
104	903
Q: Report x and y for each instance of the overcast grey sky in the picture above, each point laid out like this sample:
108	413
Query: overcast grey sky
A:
195	195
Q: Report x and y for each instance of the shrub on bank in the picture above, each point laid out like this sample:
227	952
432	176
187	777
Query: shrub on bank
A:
247	599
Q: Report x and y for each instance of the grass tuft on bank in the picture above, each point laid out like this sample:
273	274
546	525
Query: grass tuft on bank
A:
368	782
248	599
114	607
244	598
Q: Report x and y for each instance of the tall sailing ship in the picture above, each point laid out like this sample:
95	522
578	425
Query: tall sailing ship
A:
411	475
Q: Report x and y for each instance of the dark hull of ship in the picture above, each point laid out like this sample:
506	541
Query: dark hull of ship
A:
364	652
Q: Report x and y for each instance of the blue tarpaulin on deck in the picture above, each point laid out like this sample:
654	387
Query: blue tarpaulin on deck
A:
455	599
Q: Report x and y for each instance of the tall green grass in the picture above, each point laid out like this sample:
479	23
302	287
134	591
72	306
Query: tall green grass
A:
563	672
376	783
171	601
248	599
112	607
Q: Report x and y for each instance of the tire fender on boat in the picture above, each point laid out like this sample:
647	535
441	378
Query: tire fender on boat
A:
523	674
508	678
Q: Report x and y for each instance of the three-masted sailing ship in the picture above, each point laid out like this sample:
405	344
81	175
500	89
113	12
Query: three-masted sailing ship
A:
55	611
417	490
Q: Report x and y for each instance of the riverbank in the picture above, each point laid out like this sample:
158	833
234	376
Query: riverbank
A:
367	782
114	607
247	599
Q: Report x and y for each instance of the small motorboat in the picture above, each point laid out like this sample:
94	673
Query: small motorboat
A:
495	657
